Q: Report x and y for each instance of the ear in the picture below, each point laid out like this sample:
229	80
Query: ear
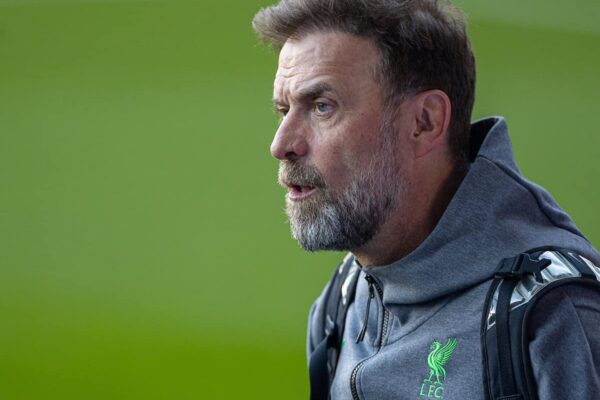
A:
432	119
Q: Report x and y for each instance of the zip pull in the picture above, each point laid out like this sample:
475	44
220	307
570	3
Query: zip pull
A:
363	330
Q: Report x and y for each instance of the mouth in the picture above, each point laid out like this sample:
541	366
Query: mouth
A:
299	192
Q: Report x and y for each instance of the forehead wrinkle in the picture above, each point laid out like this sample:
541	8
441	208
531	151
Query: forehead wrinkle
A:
309	92
314	90
303	61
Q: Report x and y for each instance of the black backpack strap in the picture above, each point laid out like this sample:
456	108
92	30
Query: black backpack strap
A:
337	298
510	272
517	285
577	261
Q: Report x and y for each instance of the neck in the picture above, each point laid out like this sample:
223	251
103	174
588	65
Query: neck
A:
413	221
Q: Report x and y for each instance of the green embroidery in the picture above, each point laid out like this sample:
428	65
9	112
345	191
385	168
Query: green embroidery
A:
343	342
436	360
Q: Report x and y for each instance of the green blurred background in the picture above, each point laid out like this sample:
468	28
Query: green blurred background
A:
145	253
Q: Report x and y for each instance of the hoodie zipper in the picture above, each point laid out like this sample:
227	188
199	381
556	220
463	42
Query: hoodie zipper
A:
384	327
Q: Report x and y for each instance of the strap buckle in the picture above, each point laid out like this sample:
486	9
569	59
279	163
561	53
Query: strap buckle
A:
515	268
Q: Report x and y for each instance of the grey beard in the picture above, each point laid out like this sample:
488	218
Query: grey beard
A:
347	220
338	223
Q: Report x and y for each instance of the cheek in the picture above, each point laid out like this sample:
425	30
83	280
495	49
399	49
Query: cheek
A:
343	150
361	146
335	166
339	163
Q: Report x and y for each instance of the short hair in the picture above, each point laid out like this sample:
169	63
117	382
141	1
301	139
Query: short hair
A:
423	45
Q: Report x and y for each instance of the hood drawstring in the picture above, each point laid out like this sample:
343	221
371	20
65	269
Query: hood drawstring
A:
363	330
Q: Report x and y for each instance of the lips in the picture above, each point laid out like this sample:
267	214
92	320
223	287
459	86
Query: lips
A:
300	192
301	181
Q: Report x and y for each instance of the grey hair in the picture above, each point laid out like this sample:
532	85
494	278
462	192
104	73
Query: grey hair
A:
423	45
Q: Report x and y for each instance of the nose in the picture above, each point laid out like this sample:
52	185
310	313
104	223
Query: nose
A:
290	142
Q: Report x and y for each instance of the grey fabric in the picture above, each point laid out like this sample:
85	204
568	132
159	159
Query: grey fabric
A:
437	292
566	341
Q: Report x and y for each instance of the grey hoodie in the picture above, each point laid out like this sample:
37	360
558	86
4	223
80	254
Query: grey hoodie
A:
437	292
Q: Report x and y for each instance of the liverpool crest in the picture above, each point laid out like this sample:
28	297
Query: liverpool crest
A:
439	355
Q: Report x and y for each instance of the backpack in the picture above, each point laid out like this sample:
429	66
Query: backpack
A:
518	284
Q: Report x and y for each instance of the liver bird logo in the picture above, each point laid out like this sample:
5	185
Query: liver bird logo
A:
438	357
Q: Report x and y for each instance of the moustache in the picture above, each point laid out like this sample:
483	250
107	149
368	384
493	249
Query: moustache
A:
292	173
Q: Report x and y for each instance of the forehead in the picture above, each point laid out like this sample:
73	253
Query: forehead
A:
336	57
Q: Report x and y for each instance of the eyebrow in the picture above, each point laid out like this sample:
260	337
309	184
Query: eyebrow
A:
310	92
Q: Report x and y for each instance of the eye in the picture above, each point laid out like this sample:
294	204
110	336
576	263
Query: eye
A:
281	111
322	108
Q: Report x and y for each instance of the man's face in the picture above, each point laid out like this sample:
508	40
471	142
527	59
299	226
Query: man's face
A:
336	148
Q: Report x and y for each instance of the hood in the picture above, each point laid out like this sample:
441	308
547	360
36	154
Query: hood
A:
495	213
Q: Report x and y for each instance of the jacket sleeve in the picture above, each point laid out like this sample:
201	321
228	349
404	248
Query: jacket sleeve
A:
310	344
565	344
315	323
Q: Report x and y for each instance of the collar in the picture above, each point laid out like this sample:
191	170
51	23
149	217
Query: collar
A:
495	213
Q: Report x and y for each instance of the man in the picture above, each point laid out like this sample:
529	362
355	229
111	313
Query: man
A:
380	159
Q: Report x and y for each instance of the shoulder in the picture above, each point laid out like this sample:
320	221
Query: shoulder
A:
318	310
316	321
332	301
564	342
570	311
